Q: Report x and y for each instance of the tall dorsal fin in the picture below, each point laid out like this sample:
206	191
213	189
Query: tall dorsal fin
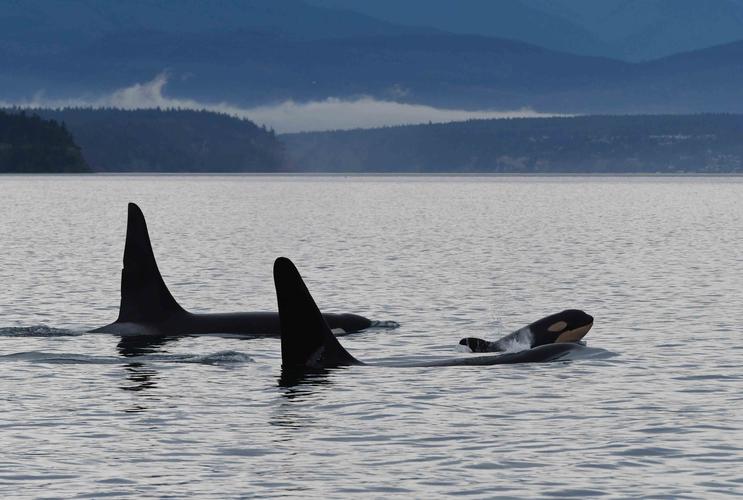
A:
306	339
144	296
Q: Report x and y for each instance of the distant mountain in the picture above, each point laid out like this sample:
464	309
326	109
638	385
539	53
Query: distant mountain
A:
156	140
515	19
46	44
54	23
275	50
628	29
590	144
250	67
648	29
443	70
30	144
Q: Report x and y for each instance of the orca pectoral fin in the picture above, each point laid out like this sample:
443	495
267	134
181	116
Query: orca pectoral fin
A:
307	342
144	296
479	345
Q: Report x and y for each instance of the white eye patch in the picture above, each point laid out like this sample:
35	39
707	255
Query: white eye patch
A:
558	327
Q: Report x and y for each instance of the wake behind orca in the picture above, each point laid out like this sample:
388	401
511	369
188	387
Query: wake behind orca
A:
148	308
308	344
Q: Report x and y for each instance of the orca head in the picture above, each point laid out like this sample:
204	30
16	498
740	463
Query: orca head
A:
570	325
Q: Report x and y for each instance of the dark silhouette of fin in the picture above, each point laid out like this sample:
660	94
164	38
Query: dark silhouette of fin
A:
144	296
306	340
479	345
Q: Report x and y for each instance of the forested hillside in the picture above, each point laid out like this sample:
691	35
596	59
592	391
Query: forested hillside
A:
154	140
190	141
30	144
590	144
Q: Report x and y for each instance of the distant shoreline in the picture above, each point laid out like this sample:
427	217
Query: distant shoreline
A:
176	142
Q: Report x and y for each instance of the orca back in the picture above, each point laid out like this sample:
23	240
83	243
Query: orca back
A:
144	296
307	343
542	354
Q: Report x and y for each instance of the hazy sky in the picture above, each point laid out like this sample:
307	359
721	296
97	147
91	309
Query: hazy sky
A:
287	116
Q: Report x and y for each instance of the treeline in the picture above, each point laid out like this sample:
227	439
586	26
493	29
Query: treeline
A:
30	144
154	140
705	143
169	140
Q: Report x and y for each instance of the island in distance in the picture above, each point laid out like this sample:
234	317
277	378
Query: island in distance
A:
199	141
30	144
704	143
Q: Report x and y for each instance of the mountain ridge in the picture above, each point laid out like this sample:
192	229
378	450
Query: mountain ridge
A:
260	65
634	30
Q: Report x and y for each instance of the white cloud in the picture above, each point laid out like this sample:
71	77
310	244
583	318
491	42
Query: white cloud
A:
364	112
289	116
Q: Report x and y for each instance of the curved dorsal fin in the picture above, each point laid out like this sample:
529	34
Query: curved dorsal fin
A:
144	296
306	339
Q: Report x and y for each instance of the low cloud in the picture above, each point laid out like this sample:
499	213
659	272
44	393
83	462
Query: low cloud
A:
289	116
366	112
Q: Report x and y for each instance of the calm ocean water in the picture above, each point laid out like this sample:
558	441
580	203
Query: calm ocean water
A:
657	261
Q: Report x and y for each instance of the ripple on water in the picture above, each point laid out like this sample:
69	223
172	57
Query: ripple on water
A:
655	261
218	358
36	331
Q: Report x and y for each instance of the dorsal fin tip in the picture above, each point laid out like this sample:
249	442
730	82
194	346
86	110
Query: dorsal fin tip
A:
134	215
137	248
144	295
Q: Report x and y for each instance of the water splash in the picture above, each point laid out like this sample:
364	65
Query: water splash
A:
385	324
37	331
217	358
463	348
516	343
589	353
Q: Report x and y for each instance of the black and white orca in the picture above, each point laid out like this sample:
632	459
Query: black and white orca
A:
570	325
308	344
148	308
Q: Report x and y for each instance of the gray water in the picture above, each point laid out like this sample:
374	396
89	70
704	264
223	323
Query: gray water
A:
657	261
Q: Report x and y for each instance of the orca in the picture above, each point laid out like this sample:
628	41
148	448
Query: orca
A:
148	308
308	344
570	325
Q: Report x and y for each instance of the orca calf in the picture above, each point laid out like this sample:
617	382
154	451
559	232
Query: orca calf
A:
570	325
308	344
148	308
